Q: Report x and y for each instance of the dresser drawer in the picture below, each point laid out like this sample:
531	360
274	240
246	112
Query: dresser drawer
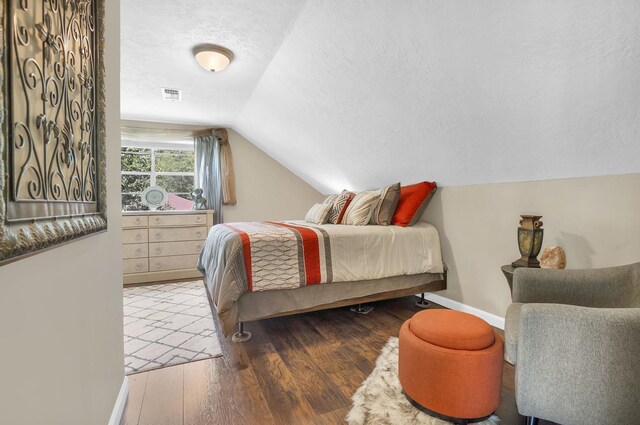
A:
135	235
163	249
177	234
139	265
135	250
175	262
135	221
178	220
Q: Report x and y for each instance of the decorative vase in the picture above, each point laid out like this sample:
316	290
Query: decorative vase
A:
530	235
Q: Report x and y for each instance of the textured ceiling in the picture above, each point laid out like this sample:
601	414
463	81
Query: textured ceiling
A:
358	93
364	93
156	41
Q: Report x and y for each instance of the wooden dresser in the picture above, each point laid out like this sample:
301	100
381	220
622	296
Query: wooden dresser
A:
163	245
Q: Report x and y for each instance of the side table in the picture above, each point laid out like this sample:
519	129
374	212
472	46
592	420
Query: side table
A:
508	273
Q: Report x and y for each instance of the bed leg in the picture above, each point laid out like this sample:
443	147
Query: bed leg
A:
241	335
422	303
360	309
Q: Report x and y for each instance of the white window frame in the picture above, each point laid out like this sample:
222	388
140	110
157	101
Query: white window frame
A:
177	145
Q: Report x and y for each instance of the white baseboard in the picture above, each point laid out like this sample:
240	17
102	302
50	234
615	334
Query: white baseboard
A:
121	402
492	319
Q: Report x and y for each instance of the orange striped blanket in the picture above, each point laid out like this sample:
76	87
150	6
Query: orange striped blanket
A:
279	255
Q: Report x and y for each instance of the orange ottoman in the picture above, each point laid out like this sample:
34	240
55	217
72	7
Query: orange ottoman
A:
450	365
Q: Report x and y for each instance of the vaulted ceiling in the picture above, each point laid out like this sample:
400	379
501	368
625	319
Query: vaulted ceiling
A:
361	93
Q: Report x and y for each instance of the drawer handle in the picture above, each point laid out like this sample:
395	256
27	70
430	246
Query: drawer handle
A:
158	235
138	221
198	219
198	234
198	247
158	250
158	265
139	266
138	236
138	251
157	220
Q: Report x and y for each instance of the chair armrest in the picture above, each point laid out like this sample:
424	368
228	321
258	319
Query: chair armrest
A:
578	365
606	287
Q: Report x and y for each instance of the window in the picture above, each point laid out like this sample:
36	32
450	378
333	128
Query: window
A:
170	168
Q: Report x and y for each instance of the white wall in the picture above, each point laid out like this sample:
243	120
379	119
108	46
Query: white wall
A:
61	347
361	94
265	189
595	220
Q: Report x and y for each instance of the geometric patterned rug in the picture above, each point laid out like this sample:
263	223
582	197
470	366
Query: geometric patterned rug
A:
167	324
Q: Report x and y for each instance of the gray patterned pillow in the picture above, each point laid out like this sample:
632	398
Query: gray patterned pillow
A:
383	211
339	206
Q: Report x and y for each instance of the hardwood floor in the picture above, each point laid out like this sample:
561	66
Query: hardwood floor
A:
298	370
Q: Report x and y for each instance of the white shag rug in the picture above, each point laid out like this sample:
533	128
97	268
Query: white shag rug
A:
167	324
380	401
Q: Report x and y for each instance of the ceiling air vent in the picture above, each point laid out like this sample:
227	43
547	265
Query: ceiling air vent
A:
174	95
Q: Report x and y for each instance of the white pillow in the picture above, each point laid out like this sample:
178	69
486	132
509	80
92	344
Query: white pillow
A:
318	214
361	207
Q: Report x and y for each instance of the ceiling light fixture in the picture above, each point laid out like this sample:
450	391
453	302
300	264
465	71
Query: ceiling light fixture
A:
212	58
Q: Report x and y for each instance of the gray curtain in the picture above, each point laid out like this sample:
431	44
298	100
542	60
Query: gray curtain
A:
208	176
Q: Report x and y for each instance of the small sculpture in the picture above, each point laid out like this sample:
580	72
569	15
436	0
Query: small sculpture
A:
199	202
553	257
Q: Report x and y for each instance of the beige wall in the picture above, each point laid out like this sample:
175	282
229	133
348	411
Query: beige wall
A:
61	355
595	219
265	189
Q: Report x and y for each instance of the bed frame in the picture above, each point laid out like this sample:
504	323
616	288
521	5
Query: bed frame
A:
434	285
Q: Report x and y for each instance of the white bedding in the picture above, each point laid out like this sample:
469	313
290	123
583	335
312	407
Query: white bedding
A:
375	252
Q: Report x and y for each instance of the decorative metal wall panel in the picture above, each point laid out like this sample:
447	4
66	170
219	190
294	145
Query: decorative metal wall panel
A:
53	131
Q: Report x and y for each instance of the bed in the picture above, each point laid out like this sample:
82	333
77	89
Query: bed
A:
258	270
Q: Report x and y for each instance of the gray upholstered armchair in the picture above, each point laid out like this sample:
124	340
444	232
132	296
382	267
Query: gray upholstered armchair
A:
574	336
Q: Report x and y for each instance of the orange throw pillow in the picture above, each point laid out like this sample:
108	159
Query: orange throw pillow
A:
413	201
